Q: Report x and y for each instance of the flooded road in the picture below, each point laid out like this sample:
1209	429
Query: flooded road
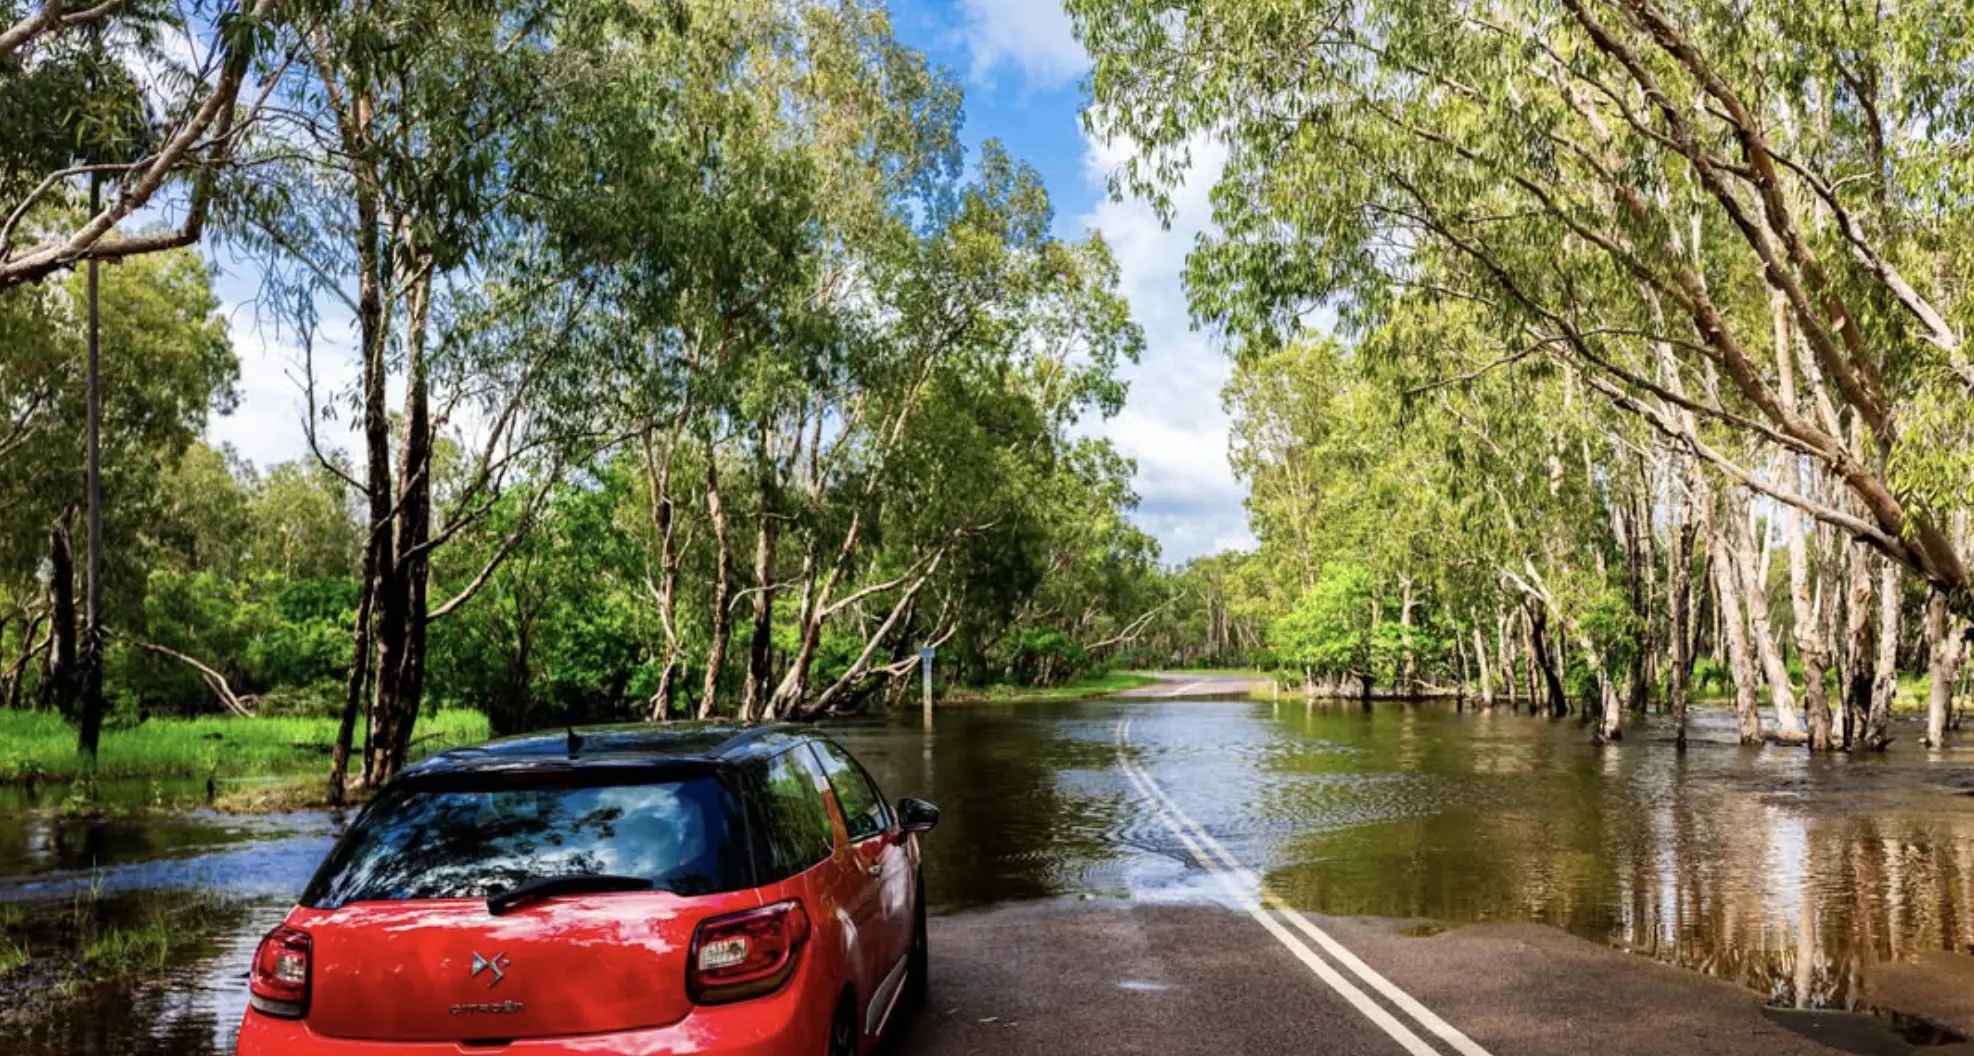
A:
1800	878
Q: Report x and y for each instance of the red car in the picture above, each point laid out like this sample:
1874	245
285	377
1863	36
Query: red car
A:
648	890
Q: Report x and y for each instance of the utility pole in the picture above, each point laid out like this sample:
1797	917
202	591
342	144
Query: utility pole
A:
92	620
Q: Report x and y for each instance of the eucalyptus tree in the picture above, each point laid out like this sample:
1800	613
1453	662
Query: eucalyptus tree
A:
1076	565
152	98
1630	187
986	339
398	204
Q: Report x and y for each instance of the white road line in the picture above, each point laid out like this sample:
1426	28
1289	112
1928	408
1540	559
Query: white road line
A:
1185	689
1171	813
1358	999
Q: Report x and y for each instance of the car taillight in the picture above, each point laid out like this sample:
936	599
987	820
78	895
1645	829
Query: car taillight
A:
747	954
278	983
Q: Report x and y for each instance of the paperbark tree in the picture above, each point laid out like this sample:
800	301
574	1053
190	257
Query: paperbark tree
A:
1644	145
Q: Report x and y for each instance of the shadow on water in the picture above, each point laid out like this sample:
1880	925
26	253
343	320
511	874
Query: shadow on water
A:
1802	878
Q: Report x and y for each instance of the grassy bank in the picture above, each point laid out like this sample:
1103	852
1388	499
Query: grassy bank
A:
1077	689
39	746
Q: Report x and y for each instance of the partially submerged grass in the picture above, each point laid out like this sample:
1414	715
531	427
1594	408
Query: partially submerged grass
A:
39	746
120	952
13	955
1076	689
13	948
58	948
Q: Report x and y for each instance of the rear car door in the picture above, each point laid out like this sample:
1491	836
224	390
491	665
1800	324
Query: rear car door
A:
879	855
802	838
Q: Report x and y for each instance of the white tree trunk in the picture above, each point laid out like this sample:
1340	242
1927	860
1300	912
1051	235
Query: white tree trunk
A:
1943	662
1754	587
1877	725
1734	629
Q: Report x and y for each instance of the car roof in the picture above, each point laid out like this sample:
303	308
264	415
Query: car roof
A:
628	745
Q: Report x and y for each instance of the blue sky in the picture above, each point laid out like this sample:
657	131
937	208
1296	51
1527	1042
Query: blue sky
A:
1023	72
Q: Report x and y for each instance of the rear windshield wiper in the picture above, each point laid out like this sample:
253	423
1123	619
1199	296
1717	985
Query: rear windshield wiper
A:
570	884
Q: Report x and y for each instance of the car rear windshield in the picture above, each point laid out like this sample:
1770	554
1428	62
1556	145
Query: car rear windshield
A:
476	842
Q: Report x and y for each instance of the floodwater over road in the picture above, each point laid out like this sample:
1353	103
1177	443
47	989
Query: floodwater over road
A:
1802	878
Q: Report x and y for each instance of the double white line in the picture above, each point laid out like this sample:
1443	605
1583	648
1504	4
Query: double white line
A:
1271	912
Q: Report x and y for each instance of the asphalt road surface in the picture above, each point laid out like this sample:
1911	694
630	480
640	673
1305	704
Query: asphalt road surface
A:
1247	974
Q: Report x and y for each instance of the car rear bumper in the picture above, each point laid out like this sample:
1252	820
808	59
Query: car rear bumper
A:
783	1023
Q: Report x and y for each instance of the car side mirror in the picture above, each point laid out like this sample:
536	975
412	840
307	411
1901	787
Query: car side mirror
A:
916	815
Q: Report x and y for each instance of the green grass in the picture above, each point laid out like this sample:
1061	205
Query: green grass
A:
37	745
1076	689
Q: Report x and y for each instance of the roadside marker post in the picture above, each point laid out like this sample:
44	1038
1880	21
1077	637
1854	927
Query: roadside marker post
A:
925	658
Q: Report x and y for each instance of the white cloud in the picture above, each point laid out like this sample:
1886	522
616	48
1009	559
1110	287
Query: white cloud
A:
266	428
1033	36
1174	425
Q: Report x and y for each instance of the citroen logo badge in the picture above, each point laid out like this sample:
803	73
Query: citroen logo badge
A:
492	964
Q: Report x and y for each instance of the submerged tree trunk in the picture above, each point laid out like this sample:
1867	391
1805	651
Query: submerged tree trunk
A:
1734	627
1559	704
1859	671
1504	661
1538	698
1409	677
1611	729
1878	721
1943	658
1810	619
1638	566
1679	597
1754	586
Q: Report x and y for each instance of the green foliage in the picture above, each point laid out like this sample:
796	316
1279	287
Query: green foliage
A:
1330	631
664	264
1040	656
1559	241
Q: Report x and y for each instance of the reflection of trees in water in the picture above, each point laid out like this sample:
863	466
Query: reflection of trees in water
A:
1677	857
50	839
1017	821
1862	890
